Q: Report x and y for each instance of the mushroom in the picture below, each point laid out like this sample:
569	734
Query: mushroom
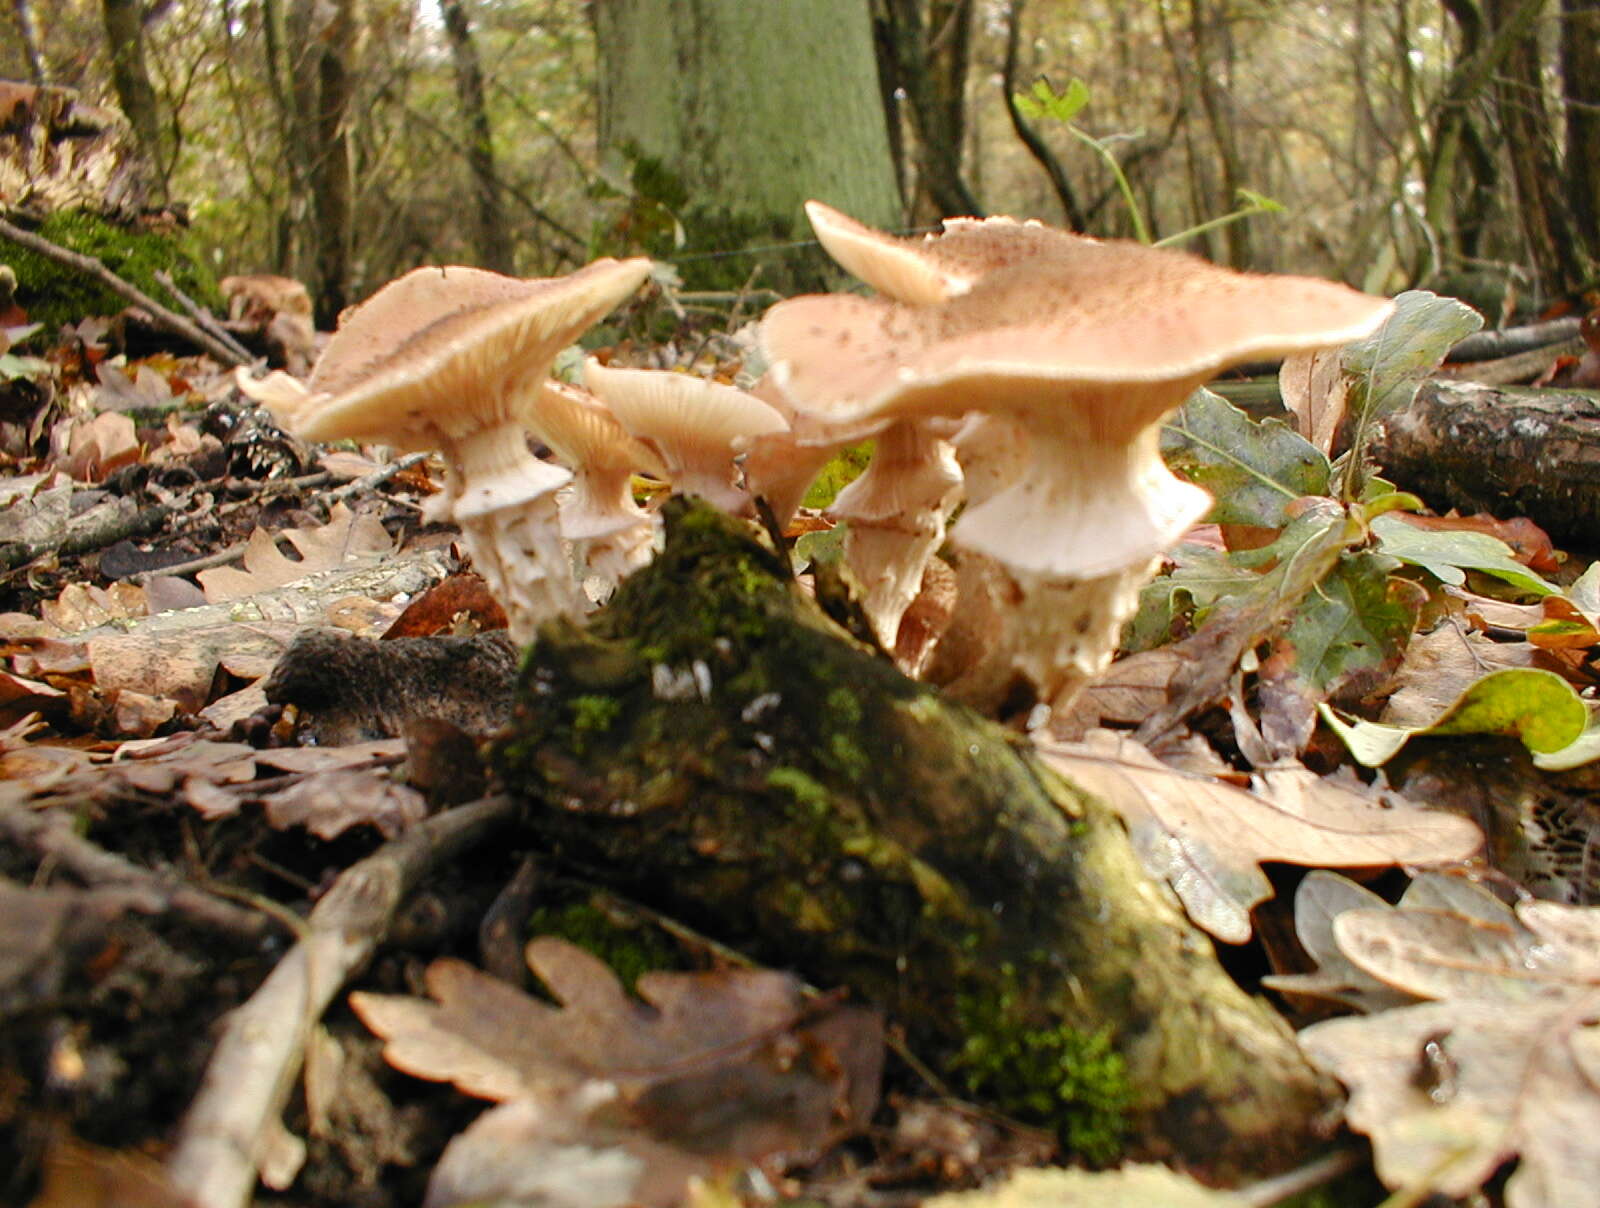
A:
695	425
1086	346
611	534
453	359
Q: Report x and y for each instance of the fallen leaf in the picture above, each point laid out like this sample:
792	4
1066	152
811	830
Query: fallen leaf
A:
1439	666
347	539
1528	543
1505	1063
1539	707
1207	838
1314	387
1253	470
1448	555
1134	1184
729	1066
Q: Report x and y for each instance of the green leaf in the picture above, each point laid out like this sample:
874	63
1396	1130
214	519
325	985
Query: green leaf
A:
1349	624
820	548
1202	577
1045	101
1539	707
1581	750
13	366
1386	368
1447	554
1259	202
1254	470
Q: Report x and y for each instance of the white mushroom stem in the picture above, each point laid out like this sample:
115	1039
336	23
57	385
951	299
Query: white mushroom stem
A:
504	500
1089	505
611	535
896	512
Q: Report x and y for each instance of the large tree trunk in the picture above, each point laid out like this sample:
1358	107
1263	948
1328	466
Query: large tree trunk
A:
492	240
717	747
733	114
929	51
1580	76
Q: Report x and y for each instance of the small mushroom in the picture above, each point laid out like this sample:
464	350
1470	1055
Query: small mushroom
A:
611	535
1087	346
696	426
453	359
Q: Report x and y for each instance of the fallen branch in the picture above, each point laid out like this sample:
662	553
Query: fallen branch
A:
87	535
202	316
233	1128
160	315
48	835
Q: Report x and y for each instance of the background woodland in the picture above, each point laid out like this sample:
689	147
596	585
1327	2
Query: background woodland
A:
1454	145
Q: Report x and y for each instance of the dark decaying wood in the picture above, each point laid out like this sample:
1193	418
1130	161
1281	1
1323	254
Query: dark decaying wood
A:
1504	450
715	746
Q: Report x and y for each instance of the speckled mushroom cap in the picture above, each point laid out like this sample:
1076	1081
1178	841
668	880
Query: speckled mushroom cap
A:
443	352
935	267
1095	315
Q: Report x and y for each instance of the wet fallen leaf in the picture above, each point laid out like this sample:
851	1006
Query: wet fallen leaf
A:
1503	1063
1207	838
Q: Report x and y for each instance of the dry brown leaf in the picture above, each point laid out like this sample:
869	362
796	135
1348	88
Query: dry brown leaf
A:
1207	838
1440	666
347	539
731	1066
82	606
76	1174
1504	1064
330	803
1313	386
183	665
1133	1185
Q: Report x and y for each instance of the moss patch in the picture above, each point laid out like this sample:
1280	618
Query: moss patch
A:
54	294
630	946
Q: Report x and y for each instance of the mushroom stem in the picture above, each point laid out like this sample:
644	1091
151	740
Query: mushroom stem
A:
503	498
896	513
611	535
1089	505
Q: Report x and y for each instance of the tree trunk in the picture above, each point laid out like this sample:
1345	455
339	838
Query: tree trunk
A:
131	78
733	114
332	184
717	747
1510	451
22	16
931	48
1562	256
1580	75
491	238
1212	36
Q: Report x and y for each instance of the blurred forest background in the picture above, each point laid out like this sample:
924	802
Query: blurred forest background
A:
1447	143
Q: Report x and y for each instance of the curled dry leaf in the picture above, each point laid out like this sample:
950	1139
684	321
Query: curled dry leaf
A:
718	1068
1504	1063
1208	838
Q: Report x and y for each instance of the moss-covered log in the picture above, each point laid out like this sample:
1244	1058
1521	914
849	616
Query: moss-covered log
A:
721	749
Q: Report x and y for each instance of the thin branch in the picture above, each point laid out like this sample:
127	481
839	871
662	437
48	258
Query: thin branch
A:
200	315
235	1121
160	315
1030	137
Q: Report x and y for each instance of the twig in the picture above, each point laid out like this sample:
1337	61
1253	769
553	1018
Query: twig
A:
116	525
221	558
47	834
160	315
234	1124
202	316
1293	1182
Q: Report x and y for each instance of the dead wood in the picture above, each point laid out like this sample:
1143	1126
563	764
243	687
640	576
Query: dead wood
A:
1493	345
1508	451
722	751
59	153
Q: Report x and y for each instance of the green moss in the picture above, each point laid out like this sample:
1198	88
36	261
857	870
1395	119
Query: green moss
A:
54	294
594	713
807	792
1072	1080
845	466
629	946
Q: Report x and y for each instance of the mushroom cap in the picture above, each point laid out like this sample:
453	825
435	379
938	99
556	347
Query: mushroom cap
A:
1090	316
584	435
935	267
442	352
693	423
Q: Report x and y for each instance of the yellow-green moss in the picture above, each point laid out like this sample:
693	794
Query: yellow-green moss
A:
808	794
54	294
843	467
1074	1081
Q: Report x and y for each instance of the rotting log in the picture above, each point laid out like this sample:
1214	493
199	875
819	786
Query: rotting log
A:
712	744
1505	450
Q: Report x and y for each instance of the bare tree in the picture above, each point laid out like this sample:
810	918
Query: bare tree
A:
493	240
124	24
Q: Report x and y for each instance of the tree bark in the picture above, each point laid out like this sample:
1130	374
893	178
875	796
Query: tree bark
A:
22	15
1580	75
931	47
1506	450
332	183
733	114
492	238
131	79
717	747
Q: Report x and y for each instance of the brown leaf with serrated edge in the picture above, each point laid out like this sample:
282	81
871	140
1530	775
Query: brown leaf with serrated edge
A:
1314	387
1208	838
782	1075
1505	1063
348	538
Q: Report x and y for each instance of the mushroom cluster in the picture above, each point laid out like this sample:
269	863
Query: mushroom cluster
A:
1063	354
455	359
